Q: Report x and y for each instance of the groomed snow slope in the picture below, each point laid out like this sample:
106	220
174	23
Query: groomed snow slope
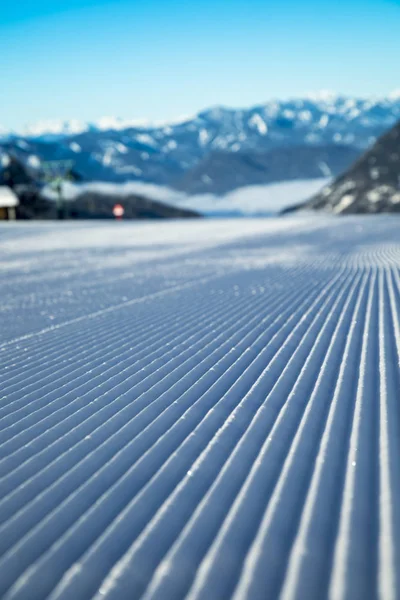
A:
201	410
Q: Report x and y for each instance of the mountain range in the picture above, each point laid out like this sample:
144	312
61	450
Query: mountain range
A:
219	149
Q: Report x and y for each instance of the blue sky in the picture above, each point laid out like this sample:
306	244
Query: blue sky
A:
159	59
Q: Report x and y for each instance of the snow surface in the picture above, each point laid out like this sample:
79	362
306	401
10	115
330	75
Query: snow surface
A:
200	409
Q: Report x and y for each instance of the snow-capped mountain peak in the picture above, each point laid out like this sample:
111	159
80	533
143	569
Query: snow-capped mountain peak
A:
56	127
322	95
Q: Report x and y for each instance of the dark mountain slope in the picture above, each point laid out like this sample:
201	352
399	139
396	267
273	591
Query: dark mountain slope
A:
371	185
94	205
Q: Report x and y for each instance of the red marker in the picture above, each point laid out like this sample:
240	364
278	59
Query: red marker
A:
118	211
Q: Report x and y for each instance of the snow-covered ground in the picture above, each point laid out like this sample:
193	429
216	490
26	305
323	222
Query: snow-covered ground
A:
201	410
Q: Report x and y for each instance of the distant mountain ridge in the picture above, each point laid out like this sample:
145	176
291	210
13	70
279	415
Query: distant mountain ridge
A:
324	101
182	155
229	171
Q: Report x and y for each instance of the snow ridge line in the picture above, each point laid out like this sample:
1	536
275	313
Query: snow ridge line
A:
121	572
5	536
52	530
123	363
142	383
144	340
104	311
